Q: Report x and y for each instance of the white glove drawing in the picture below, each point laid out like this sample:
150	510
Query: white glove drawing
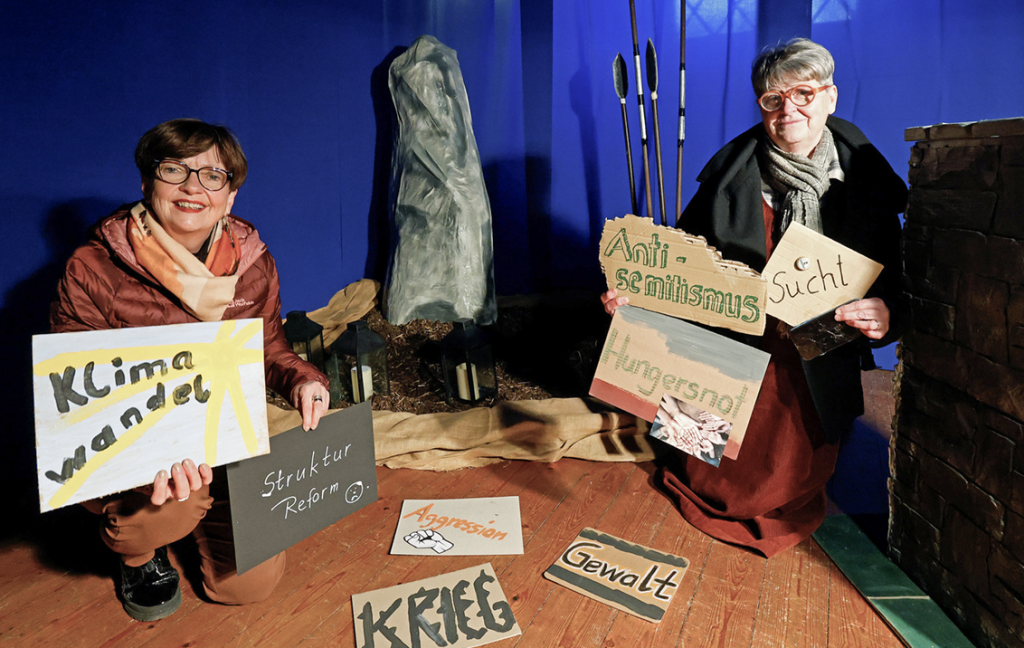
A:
428	539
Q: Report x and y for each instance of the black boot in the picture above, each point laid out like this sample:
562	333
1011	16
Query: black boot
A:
150	592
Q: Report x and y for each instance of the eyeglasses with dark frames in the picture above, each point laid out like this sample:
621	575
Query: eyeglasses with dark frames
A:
801	95
176	173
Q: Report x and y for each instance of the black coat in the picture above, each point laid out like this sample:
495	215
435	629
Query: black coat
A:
861	213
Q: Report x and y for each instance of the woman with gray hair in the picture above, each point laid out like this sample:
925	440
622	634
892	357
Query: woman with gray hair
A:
800	164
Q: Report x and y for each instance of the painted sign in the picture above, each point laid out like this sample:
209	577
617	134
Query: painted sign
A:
668	271
309	481
648	355
112	408
635	579
459	527
461	609
809	273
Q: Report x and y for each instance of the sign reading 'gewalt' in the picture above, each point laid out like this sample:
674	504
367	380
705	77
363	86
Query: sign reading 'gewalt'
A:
668	271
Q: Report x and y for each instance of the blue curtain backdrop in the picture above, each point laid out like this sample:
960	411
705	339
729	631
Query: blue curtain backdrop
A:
302	83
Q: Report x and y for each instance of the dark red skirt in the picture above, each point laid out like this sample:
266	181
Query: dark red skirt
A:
772	496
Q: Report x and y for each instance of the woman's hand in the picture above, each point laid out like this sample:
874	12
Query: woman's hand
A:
185	477
871	316
611	301
311	399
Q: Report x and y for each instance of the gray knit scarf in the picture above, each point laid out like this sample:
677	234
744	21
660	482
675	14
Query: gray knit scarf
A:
803	180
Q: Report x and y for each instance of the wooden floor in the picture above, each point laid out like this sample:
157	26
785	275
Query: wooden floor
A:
56	593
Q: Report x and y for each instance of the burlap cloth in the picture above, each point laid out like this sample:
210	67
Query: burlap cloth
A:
540	430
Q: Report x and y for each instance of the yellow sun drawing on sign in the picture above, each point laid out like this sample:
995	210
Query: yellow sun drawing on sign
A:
216	361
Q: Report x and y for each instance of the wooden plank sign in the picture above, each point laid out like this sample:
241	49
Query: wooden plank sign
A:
668	271
648	355
487	526
309	481
809	274
635	579
461	609
112	408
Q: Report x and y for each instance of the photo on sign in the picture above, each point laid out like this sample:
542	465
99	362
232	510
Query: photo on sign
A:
114	407
487	526
460	609
691	429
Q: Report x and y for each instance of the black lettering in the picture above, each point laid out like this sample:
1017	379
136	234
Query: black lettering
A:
156	401
447	610
90	387
182	359
202	395
180	394
824	274
118	375
149	368
126	418
67	470
62	391
418	603
663	583
461	605
502	607
103	440
370	628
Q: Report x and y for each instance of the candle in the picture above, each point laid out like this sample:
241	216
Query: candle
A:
463	379
358	396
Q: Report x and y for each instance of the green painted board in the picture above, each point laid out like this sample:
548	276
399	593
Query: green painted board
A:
918	620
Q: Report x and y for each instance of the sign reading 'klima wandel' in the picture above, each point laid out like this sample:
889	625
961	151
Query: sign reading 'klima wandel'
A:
668	271
114	407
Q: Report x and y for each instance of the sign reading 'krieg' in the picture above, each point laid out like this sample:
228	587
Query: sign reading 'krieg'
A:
461	609
668	271
647	355
635	579
810	274
112	408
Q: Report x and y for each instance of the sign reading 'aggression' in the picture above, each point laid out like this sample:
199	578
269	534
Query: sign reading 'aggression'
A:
112	408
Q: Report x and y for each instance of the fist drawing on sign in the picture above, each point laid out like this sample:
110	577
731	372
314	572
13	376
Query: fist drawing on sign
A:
428	539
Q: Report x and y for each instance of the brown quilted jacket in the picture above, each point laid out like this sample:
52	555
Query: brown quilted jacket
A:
104	287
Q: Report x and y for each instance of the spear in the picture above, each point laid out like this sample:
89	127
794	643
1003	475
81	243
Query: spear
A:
682	109
621	76
652	83
640	102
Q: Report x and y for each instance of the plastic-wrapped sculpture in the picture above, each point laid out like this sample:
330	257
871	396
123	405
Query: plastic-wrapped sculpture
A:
442	261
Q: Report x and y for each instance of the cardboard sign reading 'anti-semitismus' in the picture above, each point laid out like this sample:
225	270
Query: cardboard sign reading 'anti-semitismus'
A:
668	271
810	273
648	355
114	407
462	609
309	481
633	578
483	526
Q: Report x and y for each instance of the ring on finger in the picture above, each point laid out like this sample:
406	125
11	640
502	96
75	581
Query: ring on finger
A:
318	398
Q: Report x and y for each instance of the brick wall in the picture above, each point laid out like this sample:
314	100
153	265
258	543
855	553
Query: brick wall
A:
957	455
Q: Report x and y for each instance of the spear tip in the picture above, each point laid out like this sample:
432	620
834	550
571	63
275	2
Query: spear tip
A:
620	75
